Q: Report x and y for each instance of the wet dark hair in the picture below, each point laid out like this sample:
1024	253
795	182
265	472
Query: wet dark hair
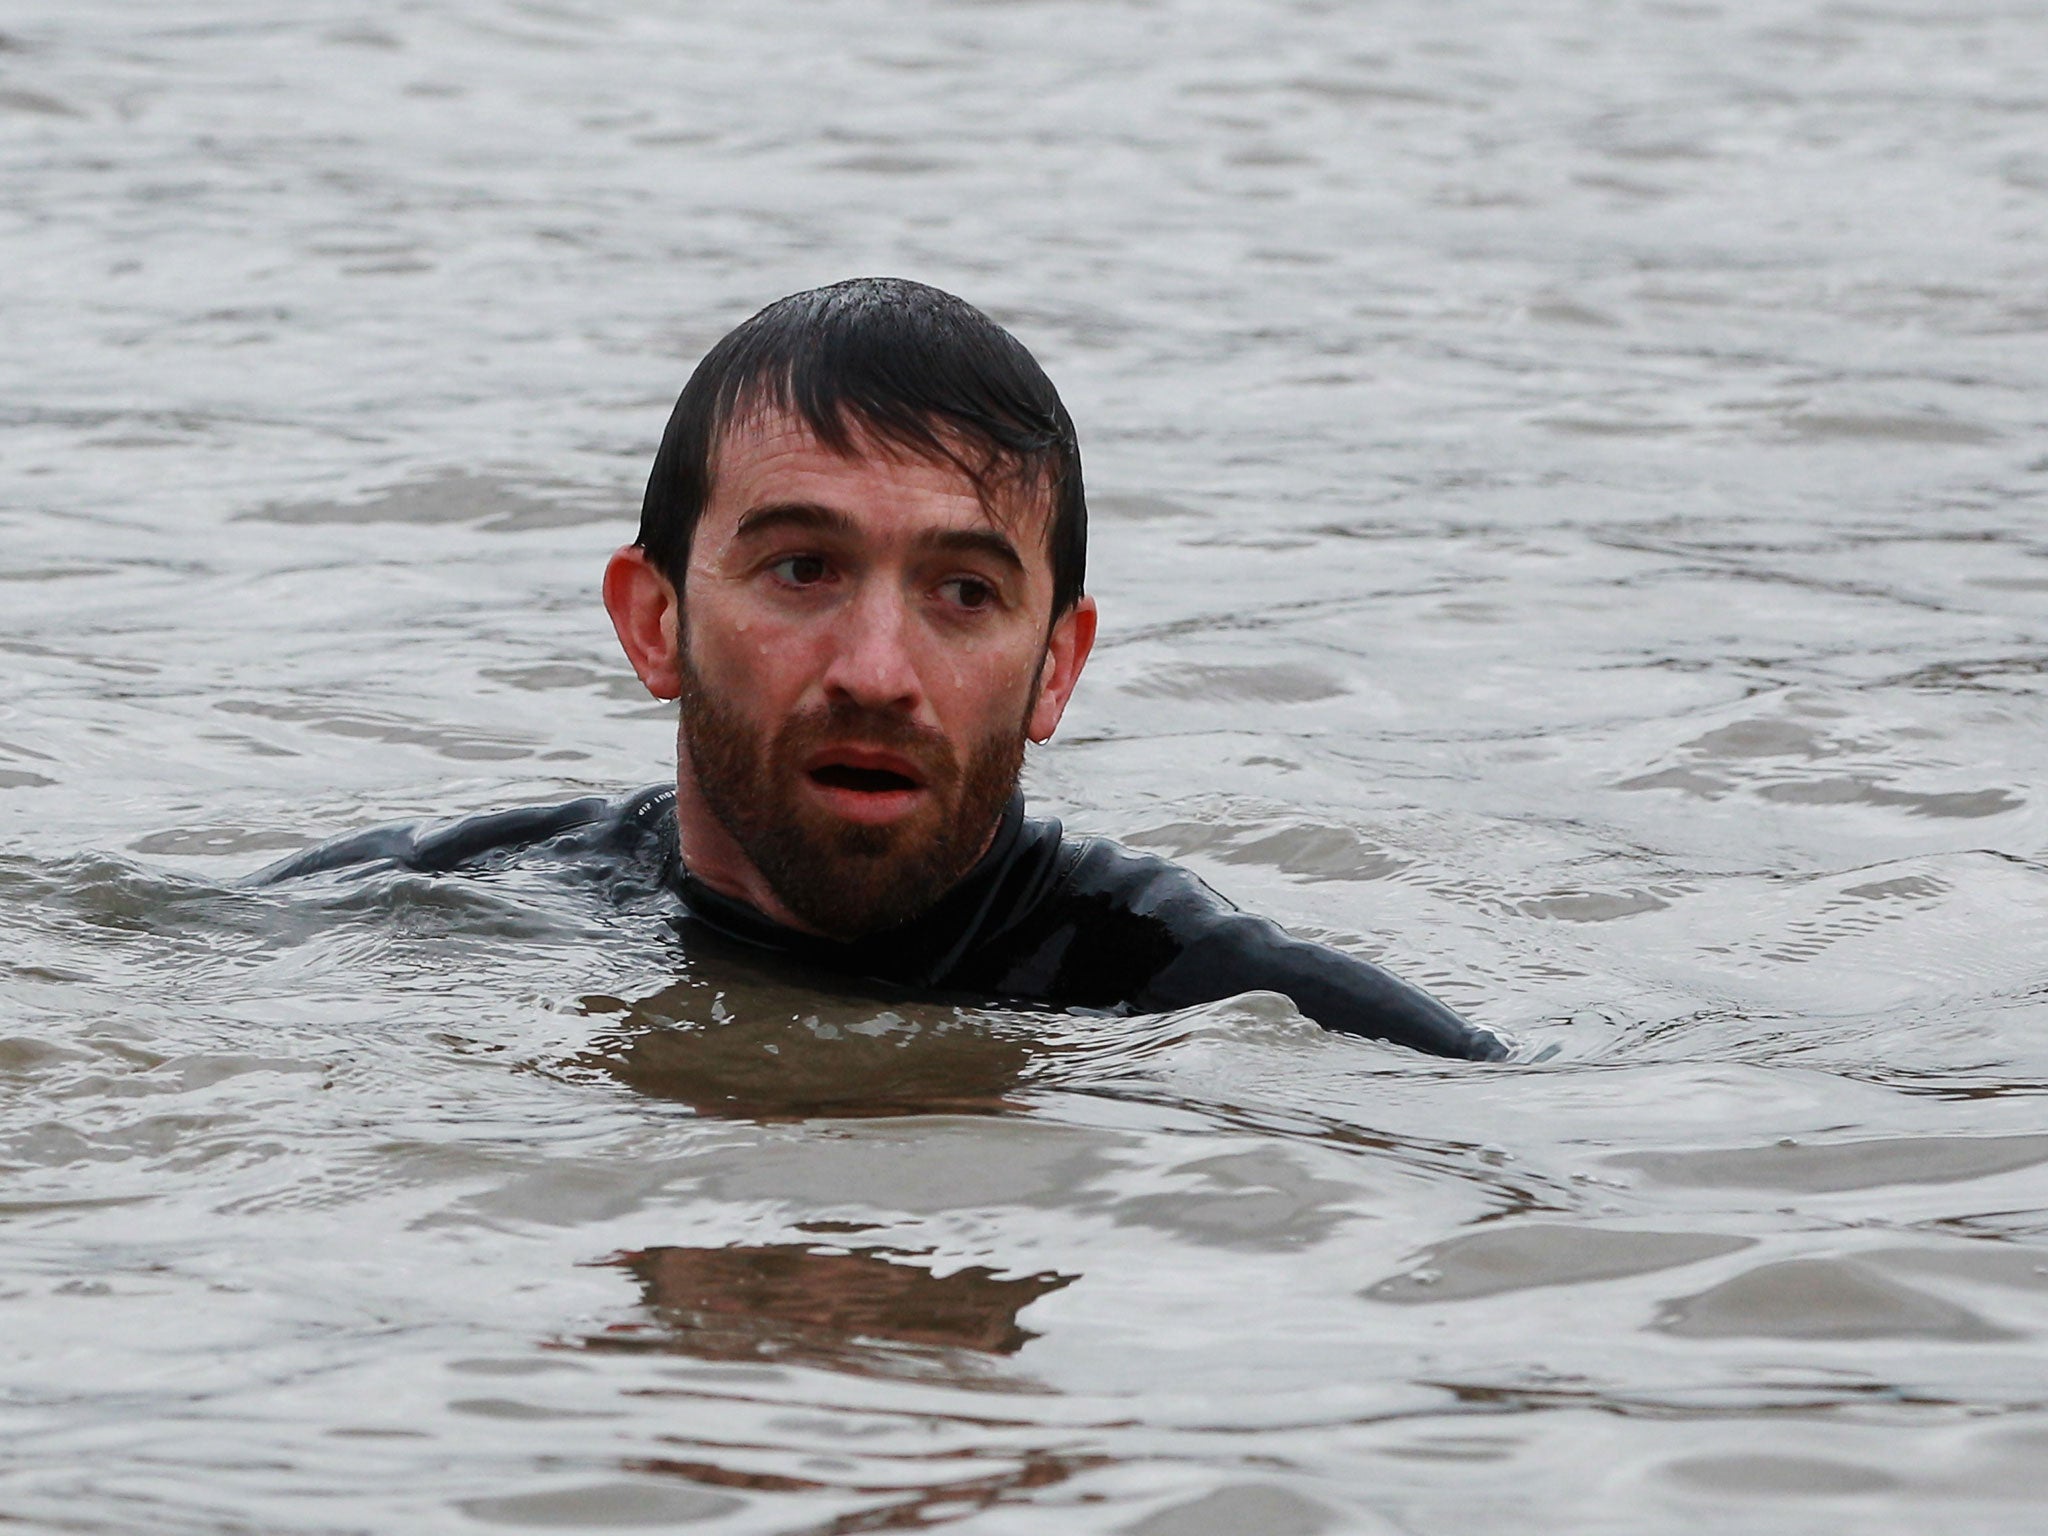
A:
907	364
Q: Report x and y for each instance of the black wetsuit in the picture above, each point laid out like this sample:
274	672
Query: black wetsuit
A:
1042	919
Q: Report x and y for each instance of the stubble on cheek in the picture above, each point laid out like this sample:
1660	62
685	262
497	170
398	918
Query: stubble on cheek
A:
844	878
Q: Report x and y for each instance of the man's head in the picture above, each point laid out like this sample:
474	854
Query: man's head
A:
859	569
905	364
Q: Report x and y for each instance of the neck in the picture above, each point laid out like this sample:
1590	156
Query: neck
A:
713	856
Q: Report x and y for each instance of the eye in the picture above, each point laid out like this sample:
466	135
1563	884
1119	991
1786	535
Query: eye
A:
799	570
969	592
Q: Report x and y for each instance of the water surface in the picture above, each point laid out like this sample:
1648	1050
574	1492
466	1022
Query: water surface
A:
1568	486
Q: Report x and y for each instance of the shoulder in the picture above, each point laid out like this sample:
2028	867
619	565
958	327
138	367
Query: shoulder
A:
593	823
1086	922
1144	884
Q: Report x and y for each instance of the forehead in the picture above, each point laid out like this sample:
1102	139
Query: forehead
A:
767	456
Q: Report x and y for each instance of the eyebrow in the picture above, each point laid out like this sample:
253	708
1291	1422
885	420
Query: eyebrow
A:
801	516
810	517
975	541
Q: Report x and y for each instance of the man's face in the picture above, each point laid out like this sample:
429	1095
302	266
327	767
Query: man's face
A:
863	650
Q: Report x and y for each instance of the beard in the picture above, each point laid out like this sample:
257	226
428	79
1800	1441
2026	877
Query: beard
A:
844	878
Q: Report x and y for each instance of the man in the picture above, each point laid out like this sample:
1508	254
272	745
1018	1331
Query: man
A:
859	573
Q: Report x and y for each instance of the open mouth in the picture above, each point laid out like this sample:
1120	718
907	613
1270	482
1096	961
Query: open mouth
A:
866	781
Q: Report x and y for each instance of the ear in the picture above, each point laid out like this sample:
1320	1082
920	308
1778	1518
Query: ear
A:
648	618
1066	652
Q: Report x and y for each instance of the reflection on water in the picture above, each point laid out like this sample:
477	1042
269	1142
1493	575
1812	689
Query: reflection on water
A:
1567	487
785	1301
865	1313
780	1050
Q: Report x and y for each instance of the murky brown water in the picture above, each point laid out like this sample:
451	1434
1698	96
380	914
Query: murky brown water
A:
1569	523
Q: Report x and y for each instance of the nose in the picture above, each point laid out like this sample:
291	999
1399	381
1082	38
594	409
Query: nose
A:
873	661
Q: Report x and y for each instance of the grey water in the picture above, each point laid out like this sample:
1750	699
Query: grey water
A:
1568	485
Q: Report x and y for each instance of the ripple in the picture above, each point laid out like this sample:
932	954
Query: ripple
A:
1764	1475
609	1504
1276	684
491	503
1832	1166
1835	1299
1537	1254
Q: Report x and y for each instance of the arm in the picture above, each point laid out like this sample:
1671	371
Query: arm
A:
1178	944
1237	952
438	851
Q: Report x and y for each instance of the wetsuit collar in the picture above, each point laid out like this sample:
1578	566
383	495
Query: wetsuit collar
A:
918	952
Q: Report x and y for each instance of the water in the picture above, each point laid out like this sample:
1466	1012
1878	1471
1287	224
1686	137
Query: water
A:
1568	485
